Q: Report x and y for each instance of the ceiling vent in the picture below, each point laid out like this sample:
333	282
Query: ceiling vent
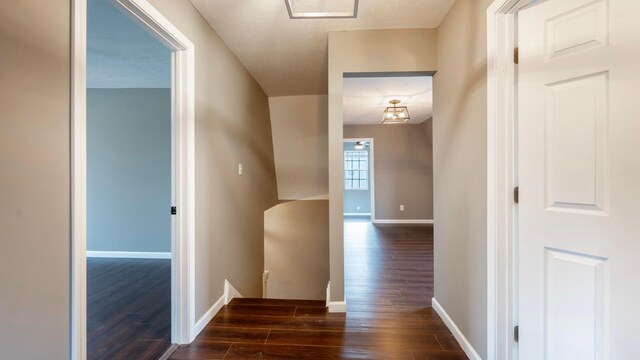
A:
322	9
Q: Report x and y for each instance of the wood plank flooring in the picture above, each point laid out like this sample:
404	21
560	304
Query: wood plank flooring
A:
128	308
389	286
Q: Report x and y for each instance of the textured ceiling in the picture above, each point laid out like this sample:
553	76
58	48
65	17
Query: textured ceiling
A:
366	98
120	54
289	57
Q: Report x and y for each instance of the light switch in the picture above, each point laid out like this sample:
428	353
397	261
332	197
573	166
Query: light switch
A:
239	169
401	207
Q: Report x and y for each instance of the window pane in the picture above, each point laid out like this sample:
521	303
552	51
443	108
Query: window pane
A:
347	184
348	175
363	184
363	175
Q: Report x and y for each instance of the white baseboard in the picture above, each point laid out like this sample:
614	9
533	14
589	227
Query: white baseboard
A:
356	214
328	299
204	320
129	254
402	221
335	306
462	340
229	293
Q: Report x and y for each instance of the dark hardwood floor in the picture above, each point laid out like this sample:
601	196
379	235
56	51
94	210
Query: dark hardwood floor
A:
128	308
389	286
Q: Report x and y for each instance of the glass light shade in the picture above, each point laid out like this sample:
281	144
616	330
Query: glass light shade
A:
396	115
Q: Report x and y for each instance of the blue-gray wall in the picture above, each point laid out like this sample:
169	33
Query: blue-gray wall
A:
357	198
129	170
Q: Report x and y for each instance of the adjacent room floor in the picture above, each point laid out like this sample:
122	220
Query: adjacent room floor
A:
128	308
389	286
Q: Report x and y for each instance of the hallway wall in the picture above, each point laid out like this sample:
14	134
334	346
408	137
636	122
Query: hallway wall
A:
232	127
407	50
35	221
299	127
460	169
296	249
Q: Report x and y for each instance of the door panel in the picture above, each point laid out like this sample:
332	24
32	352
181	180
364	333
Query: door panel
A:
575	305
579	180
576	129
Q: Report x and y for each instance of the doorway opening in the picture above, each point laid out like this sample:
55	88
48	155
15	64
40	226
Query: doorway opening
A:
388	191
388	206
359	182
129	187
141	147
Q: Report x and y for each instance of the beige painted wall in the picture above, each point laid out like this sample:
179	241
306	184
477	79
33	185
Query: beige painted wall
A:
363	51
460	187
403	169
34	179
296	249
232	127
299	126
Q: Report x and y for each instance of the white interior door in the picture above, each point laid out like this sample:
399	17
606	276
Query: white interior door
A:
579	174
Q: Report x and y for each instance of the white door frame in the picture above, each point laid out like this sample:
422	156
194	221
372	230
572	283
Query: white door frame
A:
502	217
183	171
372	175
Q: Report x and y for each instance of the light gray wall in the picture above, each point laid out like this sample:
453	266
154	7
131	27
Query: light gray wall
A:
232	126
357	198
460	148
363	51
403	169
129	169
35	183
296	249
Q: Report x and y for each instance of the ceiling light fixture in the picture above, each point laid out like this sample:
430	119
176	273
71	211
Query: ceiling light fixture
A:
395	114
298	12
359	145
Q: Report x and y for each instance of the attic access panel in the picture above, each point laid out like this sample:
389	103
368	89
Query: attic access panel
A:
322	9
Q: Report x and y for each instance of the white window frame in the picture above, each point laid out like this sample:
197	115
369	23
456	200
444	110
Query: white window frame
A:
372	172
367	171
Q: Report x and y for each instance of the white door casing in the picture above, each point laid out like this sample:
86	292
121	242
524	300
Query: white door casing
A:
579	171
183	170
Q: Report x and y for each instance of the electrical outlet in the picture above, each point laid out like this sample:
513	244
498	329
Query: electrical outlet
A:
401	207
239	169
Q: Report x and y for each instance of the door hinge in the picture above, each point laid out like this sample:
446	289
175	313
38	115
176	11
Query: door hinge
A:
516	333
174	210
516	56
516	194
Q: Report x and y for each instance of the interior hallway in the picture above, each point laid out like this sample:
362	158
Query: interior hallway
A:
389	284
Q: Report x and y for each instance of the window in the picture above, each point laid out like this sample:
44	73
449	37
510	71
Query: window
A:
356	170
